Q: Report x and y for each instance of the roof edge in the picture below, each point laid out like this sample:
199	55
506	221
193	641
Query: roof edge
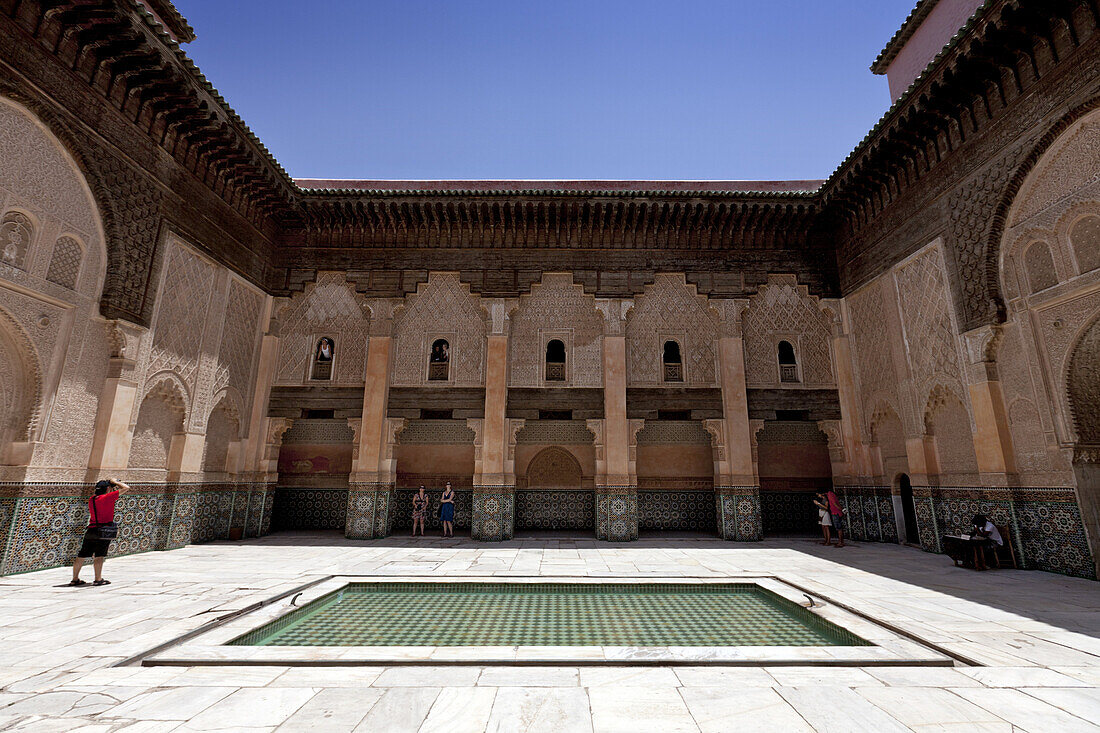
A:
908	27
528	186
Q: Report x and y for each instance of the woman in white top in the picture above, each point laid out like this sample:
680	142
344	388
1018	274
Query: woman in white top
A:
824	518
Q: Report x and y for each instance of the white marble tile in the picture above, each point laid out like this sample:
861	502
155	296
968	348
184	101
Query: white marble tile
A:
931	708
1079	701
529	677
252	707
639	710
822	676
416	676
532	710
333	710
628	677
327	677
176	703
460	710
1020	677
922	677
399	709
747	709
724	677
1024	711
839	709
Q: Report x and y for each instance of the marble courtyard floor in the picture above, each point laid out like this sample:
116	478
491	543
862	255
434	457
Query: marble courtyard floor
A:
1036	637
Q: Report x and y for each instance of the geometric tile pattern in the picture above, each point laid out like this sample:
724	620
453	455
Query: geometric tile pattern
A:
368	511
402	509
493	513
551	614
1045	523
869	511
738	513
617	513
573	509
677	510
45	531
789	513
297	508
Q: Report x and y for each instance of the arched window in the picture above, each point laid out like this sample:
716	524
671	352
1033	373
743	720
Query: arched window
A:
1040	267
788	367
16	232
1085	238
674	365
65	263
322	359
555	360
439	362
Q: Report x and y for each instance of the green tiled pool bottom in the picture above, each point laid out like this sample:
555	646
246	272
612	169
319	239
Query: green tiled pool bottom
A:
550	614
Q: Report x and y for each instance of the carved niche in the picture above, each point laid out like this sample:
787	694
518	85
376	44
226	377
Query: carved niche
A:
556	308
328	307
442	308
670	309
554	468
783	310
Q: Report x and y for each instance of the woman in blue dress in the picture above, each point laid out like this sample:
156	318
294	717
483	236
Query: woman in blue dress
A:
447	511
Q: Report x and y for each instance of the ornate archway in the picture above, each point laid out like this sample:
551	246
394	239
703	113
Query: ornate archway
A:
1083	385
555	497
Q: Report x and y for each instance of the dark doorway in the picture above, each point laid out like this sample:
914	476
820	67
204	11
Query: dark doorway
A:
908	509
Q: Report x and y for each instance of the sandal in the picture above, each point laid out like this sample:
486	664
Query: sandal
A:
77	583
101	582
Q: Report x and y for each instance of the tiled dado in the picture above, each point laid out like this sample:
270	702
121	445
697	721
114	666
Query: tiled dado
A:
369	514
556	509
870	513
738	513
300	508
691	510
617	513
493	513
1047	531
42	527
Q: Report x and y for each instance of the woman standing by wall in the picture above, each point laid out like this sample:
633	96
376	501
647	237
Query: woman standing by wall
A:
447	511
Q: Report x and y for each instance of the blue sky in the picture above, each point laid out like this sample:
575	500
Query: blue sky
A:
629	89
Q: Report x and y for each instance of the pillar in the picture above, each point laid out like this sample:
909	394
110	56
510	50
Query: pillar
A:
992	438
493	506
617	495
855	467
113	433
371	483
254	446
735	403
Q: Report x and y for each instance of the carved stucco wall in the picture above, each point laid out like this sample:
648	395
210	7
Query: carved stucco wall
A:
908	359
50	298
782	310
442	308
328	307
204	338
670	309
556	308
1058	205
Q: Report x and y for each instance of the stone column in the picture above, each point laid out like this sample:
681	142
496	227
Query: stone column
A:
855	466
252	453
371	483
113	433
494	483
617	497
992	438
735	404
185	456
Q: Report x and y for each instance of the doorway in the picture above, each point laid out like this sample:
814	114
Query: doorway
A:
908	510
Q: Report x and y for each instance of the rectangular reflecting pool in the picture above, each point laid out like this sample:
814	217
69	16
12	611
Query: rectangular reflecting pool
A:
550	614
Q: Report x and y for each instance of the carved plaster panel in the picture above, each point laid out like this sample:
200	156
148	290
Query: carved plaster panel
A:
670	307
782	310
443	307
554	306
328	307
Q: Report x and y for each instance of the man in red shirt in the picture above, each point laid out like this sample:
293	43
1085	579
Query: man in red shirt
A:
101	530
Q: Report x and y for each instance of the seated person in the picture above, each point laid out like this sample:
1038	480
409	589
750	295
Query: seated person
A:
983	534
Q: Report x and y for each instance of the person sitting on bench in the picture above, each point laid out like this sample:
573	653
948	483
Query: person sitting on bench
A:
982	535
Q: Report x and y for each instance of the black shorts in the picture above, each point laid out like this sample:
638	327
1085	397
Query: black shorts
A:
92	546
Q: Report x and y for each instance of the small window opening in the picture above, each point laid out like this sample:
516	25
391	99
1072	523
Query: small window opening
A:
792	415
673	414
322	359
437	414
788	367
674	365
439	363
555	414
555	361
